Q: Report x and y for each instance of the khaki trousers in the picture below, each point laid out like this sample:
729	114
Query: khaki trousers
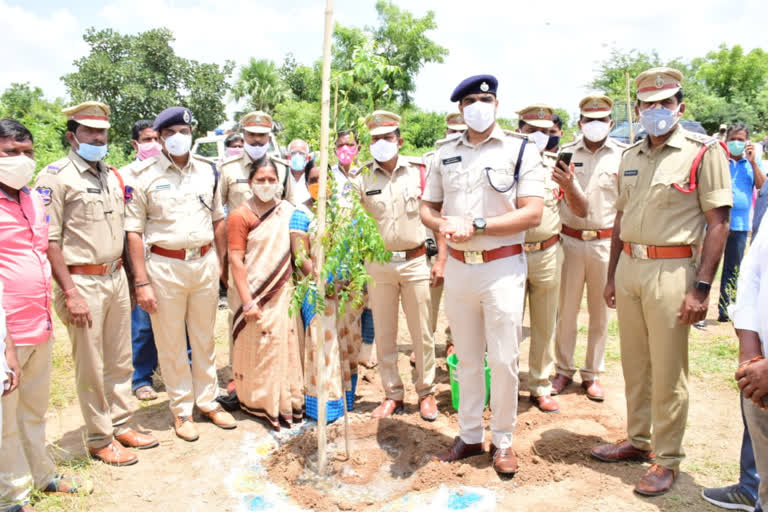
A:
585	263
407	281
757	423
24	460
654	352
187	294
543	287
484	305
102	355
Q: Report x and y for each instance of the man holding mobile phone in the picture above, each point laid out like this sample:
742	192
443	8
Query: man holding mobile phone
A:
544	254
586	246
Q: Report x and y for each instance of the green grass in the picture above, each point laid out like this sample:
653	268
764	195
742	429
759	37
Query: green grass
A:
713	357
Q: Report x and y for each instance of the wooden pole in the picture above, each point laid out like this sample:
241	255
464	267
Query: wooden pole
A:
319	334
344	400
629	112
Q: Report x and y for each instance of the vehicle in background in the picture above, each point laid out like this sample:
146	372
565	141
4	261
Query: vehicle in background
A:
211	147
621	131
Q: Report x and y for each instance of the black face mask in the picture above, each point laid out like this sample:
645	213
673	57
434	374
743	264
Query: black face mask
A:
554	140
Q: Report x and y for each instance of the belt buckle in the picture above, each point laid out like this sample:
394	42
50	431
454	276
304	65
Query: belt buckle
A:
473	257
192	254
589	235
639	251
533	247
397	257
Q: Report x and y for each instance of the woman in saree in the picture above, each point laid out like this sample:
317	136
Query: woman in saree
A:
342	331
266	361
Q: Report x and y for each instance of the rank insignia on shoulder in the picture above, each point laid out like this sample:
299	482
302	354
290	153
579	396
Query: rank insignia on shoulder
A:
452	160
46	193
372	192
631	172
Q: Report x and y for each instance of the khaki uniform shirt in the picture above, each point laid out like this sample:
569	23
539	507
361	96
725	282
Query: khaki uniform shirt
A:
233	179
550	216
393	202
654	212
477	180
597	174
174	208
86	210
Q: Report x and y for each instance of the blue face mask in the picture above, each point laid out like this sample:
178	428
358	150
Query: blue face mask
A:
658	121
552	143
298	162
91	153
736	147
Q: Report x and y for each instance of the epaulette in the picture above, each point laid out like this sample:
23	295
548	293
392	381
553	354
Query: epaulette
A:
278	159
619	144
230	159
57	166
144	165
701	138
635	145
512	133
448	138
570	144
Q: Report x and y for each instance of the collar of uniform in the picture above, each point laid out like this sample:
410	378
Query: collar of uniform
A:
166	162
81	165
6	196
496	133
675	140
581	144
401	163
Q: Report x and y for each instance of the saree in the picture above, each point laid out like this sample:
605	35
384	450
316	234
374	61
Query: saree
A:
266	361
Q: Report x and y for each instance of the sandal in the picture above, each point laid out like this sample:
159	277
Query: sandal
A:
68	485
146	393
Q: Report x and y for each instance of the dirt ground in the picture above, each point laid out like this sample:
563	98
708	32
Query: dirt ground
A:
253	468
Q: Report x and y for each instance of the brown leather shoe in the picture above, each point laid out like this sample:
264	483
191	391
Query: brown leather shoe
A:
545	403
114	454
459	450
657	481
621	451
387	408
503	460
559	383
221	418
428	408
594	390
185	428
133	439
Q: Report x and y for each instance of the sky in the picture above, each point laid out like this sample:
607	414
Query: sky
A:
541	52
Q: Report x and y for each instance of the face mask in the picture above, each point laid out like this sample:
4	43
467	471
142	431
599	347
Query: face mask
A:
480	115
384	150
346	154
298	161
595	131
91	152
148	150
658	121
541	140
314	190
552	142
16	171
266	192
736	147
178	144
233	151
256	152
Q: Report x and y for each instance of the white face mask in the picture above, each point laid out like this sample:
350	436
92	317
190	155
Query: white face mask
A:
255	152
178	144
16	171
480	115
384	150
541	140
595	131
266	192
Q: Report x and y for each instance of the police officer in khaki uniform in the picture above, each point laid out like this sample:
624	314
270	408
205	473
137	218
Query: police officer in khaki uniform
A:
544	254
86	208
175	203
586	244
484	191
390	191
658	279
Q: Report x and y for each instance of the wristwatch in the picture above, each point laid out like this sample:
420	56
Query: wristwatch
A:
702	286
479	225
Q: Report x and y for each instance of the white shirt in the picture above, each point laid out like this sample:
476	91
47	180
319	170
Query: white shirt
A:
343	185
298	189
752	291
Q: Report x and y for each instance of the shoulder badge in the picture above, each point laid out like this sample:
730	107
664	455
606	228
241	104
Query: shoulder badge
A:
46	194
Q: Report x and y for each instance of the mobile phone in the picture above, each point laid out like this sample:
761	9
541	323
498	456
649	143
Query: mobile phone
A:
564	157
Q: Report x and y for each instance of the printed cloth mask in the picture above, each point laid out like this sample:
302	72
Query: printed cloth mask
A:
265	192
16	171
346	154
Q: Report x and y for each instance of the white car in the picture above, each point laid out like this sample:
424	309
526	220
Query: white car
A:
211	147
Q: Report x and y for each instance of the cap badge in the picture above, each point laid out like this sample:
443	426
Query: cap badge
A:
659	81
484	87
187	118
595	104
542	114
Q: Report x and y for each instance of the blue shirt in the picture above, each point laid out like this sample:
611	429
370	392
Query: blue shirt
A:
743	184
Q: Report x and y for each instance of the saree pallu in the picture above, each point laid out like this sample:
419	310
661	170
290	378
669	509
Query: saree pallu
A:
267	361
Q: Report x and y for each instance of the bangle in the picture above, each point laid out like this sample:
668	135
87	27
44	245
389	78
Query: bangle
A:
755	359
249	306
67	292
139	285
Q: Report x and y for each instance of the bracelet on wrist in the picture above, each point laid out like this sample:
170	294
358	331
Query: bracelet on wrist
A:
755	359
249	306
144	283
